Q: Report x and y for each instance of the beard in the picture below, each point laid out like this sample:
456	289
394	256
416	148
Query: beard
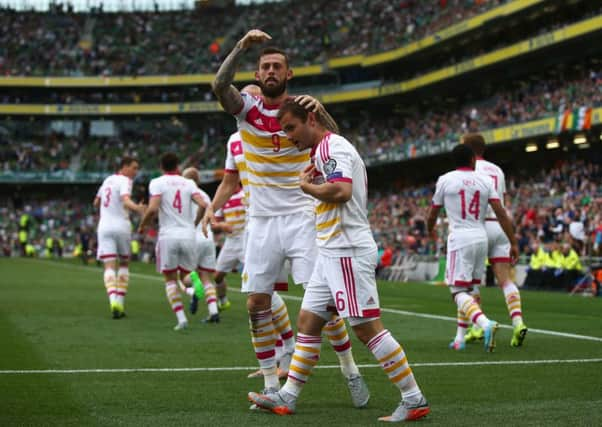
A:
273	91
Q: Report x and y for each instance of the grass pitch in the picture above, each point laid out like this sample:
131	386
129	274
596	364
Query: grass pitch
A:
64	361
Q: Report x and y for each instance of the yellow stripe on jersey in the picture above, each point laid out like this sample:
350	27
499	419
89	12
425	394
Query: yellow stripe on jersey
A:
234	216
326	224
261	184
330	236
241	221
325	207
275	158
264	142
273	173
240	166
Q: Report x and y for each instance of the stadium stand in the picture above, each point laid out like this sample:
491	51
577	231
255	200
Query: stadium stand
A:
409	67
145	43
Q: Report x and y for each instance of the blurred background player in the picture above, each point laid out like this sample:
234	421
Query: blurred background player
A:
277	204
205	268
465	194
344	274
172	196
498	248
115	231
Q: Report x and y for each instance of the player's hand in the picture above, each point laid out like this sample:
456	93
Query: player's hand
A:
514	254
307	175
253	37
208	218
309	103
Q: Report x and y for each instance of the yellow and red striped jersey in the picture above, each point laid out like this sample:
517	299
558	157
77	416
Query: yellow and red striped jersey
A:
272	162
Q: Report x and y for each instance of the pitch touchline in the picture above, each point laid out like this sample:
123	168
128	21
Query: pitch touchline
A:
252	368
385	310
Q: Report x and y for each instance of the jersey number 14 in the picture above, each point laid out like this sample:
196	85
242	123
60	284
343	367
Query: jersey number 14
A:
473	206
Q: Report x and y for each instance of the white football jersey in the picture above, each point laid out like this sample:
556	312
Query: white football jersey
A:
343	228
496	174
465	195
176	212
272	162
235	161
114	215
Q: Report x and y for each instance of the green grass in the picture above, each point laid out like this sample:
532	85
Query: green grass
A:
54	315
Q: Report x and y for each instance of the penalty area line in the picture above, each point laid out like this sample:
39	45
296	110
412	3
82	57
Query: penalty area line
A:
253	368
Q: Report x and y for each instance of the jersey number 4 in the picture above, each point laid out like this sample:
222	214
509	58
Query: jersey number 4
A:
473	206
177	202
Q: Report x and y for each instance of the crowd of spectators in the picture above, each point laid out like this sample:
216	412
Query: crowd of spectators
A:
193	41
373	133
547	207
557	215
543	205
48	153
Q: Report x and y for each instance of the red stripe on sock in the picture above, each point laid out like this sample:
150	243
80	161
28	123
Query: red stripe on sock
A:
262	355
287	335
342	347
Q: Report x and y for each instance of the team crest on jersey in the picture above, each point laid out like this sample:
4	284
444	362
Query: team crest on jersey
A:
330	166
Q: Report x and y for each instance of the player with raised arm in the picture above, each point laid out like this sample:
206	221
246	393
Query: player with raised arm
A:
344	273
172	197
280	215
115	231
465	195
205	264
498	247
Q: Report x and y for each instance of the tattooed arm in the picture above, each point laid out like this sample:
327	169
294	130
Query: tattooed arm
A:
228	96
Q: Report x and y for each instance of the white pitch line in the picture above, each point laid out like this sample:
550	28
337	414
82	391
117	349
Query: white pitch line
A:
252	368
385	310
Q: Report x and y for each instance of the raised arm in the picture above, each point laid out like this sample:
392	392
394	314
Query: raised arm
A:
228	96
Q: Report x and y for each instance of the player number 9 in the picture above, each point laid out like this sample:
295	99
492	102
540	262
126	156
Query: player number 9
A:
276	143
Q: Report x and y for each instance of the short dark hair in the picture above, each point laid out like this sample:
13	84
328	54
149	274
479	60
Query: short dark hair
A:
475	141
463	155
271	50
296	109
169	162
126	161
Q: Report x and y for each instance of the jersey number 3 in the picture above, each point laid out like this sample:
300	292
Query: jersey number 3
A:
473	206
107	201
177	202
